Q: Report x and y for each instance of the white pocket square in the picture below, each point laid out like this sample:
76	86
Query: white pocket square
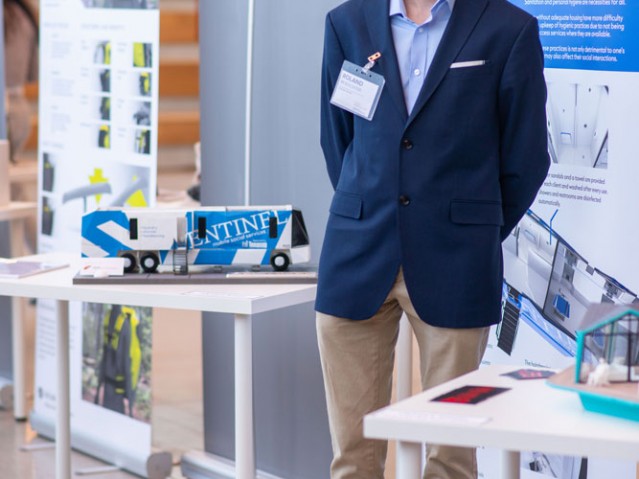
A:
471	63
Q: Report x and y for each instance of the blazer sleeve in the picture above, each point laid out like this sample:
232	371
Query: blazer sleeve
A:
336	124
524	160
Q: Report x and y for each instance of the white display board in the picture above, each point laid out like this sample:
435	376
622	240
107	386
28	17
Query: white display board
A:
576	246
98	124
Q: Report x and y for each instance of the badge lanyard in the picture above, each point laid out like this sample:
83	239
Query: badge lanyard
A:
358	89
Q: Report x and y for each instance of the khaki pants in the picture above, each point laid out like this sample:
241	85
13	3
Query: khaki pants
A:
357	362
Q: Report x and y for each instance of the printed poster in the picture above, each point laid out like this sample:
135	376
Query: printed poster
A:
576	246
98	124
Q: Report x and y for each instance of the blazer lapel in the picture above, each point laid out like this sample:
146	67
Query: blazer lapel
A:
381	37
462	21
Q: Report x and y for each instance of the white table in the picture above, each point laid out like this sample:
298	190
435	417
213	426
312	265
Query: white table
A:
242	301
532	416
17	213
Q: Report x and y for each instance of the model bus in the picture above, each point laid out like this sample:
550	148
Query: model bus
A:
148	237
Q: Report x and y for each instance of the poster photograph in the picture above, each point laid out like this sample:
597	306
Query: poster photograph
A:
116	359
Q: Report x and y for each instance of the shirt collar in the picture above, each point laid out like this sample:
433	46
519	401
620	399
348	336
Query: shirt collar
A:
397	7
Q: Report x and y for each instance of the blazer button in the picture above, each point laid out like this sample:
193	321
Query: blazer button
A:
407	144
404	200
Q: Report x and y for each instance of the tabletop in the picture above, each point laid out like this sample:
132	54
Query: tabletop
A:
531	415
223	298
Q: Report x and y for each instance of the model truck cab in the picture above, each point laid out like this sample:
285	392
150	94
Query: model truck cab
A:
150	237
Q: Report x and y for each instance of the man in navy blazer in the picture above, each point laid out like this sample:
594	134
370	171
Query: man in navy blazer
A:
425	192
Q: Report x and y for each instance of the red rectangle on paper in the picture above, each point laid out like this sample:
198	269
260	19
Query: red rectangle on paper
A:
470	394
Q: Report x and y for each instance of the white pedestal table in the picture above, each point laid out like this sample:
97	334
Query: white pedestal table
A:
241	300
531	416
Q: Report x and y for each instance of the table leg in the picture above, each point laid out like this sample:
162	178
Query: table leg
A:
63	419
17	328
18	357
244	442
409	460
404	352
510	464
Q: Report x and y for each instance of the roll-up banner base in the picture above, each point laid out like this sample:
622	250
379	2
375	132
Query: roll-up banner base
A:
202	465
155	466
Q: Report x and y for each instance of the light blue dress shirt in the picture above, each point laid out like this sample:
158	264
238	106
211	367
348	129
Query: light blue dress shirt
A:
415	45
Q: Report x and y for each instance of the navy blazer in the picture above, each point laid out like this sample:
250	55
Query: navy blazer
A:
435	192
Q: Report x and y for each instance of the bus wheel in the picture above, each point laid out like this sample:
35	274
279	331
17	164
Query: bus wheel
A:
149	262
130	263
280	261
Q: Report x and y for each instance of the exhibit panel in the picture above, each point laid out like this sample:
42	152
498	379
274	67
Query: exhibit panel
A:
98	117
575	246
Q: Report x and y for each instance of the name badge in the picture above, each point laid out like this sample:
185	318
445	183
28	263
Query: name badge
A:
358	89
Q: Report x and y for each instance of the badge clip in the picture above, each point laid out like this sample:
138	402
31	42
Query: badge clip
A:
372	60
358	89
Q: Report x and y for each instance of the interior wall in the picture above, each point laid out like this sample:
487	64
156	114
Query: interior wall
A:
292	437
